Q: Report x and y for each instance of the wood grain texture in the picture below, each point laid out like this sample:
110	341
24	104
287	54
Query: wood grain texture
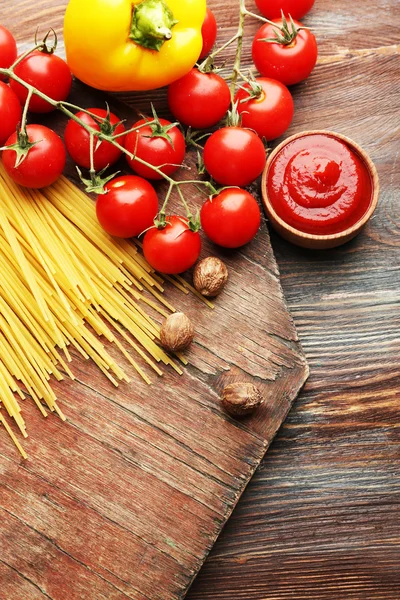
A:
126	499
321	518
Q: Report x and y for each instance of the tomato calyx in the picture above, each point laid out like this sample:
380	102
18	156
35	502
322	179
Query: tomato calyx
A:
254	91
21	147
158	130
162	221
106	127
233	117
152	22
286	34
194	222
208	65
44	46
97	182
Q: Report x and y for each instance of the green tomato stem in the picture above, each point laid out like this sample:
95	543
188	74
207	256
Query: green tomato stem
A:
167	197
92	170
24	55
119	135
258	17
157	9
25	111
84	110
62	107
207	65
188	213
239	49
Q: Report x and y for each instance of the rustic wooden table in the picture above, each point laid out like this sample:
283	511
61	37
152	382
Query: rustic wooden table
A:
320	519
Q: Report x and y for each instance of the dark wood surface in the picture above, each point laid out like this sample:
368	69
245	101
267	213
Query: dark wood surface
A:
320	519
126	499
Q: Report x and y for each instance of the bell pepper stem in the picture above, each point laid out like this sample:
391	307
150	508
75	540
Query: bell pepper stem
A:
152	23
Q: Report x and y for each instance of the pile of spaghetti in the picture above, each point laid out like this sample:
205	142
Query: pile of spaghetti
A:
65	283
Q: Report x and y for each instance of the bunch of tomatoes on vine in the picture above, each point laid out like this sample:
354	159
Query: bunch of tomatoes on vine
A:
256	108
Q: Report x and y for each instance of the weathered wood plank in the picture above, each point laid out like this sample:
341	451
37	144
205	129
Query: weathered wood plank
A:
126	499
320	519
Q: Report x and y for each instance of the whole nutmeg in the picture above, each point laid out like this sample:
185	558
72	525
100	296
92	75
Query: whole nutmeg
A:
241	399
210	276
176	332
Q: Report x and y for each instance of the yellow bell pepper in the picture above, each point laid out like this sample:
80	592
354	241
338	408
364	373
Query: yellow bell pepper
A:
124	45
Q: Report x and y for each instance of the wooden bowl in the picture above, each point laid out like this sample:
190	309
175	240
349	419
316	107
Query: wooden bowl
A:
315	241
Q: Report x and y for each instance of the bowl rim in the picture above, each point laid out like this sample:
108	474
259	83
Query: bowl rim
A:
315	236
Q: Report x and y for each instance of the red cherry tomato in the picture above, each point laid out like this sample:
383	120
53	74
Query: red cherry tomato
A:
296	8
173	249
231	219
155	148
234	156
77	139
8	49
290	63
208	32
128	206
48	73
10	112
44	162
270	113
199	99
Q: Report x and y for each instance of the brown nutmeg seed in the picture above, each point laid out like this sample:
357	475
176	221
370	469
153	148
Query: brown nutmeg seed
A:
241	399
177	332
210	276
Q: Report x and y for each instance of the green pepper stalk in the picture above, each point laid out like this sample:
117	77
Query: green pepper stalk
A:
152	23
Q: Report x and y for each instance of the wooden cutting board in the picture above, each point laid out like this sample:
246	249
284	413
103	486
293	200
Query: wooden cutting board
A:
126	498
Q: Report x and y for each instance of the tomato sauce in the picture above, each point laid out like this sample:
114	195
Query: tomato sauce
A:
319	185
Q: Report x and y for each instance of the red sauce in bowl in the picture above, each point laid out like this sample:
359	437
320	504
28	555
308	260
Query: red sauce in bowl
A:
318	184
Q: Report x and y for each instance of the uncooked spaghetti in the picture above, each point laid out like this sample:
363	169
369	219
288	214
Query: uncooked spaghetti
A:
60	274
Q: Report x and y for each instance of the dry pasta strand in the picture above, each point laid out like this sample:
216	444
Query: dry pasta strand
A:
66	288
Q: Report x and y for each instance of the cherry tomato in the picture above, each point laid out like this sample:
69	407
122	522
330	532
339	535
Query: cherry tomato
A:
163	150
199	99
10	112
77	139
234	156
128	207
208	32
8	49
173	249
49	73
44	162
296	8
231	219
289	63
270	113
